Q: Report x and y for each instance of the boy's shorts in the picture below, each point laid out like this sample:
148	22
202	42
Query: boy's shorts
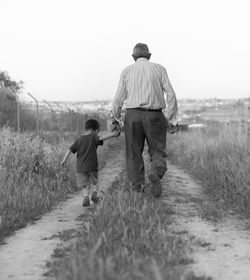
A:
86	178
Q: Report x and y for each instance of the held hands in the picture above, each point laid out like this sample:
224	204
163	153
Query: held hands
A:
115	128
117	133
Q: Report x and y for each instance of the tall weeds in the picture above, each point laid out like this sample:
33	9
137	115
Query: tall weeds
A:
31	179
220	157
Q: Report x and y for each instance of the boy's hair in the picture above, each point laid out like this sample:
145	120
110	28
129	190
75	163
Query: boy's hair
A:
92	124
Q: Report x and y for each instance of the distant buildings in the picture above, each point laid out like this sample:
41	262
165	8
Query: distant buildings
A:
192	112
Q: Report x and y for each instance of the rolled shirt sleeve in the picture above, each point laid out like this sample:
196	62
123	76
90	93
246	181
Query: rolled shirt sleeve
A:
120	96
170	97
98	141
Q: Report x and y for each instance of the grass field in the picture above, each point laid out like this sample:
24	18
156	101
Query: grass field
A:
220	158
31	178
128	235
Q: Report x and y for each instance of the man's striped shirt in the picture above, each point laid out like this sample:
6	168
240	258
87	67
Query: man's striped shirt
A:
142	85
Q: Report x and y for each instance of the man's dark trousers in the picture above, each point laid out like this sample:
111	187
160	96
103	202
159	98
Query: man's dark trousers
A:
140	126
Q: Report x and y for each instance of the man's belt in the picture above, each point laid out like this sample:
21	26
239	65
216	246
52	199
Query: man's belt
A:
144	109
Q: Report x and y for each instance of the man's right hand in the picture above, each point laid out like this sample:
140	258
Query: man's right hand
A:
116	128
115	125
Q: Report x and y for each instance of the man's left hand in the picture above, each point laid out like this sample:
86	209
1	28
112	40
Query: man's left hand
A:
172	128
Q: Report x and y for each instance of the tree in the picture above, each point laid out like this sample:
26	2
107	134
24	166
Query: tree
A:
8	102
8	82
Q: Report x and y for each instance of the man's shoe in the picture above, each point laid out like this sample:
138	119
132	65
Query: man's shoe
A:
156	188
160	171
94	197
86	201
137	187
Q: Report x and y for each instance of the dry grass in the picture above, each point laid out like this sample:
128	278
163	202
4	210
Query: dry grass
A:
31	178
126	237
219	157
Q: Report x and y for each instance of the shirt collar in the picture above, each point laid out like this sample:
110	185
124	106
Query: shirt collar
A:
142	59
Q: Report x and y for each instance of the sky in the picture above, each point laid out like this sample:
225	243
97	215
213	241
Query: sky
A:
75	50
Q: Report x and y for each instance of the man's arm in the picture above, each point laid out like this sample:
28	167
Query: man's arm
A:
171	98
120	96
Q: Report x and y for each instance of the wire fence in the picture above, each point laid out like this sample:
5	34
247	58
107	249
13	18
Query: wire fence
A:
41	116
31	114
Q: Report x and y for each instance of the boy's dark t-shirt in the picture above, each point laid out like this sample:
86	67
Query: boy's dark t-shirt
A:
85	147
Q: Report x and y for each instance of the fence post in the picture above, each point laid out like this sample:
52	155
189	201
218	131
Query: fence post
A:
62	111
52	112
71	118
37	112
77	117
18	109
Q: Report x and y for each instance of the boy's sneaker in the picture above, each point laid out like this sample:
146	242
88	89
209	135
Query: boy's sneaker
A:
86	201
94	197
156	188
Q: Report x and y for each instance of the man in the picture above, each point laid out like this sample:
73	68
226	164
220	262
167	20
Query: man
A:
142	85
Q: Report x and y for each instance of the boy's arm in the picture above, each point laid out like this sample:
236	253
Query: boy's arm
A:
109	135
68	152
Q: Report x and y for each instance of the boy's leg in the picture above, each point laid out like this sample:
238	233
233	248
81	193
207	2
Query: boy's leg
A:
93	178
83	182
86	190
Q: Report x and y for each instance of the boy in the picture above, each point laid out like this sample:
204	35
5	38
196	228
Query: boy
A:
87	164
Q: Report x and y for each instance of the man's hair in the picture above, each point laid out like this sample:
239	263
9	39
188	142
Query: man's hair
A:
92	124
141	50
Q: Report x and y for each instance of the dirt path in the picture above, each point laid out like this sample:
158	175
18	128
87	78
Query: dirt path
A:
24	255
221	251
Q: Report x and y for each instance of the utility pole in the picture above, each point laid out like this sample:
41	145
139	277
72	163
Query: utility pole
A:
37	112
